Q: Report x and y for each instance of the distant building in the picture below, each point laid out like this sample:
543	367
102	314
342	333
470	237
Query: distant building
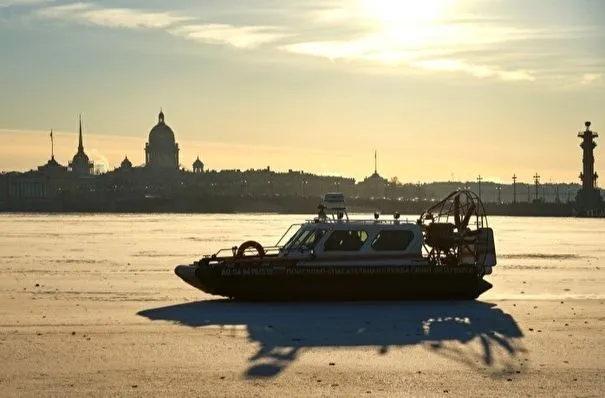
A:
126	164
31	190
52	168
161	152
198	166
373	186
80	164
589	198
77	187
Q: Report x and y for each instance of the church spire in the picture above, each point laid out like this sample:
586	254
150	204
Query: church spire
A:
80	145
375	161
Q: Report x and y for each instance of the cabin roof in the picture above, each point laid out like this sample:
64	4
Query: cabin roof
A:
362	223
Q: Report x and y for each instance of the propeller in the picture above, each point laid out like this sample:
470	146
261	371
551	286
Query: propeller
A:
462	223
457	211
467	217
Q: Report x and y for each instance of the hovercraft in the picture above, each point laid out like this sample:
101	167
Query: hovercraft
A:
445	254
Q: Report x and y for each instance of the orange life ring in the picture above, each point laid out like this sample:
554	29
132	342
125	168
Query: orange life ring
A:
250	244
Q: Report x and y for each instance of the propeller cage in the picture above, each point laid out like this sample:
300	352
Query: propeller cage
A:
453	229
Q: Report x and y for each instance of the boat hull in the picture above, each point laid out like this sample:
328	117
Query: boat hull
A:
328	283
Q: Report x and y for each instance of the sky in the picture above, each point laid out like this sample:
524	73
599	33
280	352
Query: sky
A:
441	89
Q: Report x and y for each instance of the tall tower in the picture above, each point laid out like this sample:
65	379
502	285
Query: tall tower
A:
537	185
80	144
514	188
589	197
375	162
81	164
588	175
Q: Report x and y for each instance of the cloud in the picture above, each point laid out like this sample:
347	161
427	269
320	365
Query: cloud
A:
442	36
99	160
112	17
11	3
591	78
248	36
237	36
64	10
421	43
379	36
479	71
416	52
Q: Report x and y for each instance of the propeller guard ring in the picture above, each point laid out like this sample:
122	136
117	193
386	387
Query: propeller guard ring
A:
450	225
462	201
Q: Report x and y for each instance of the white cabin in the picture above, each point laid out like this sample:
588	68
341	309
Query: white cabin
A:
333	236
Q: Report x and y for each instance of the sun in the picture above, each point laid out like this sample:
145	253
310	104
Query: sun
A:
393	13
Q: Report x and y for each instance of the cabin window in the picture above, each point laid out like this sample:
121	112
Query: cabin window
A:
305	239
393	240
313	238
295	238
345	240
290	234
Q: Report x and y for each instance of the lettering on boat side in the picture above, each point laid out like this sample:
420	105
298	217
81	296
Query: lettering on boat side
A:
267	271
248	272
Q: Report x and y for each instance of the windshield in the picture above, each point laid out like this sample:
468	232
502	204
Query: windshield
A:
305	239
289	235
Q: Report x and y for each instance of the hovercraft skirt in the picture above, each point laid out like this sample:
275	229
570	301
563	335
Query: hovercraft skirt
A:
326	283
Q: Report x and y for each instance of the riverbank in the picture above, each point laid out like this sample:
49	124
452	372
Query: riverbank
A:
262	204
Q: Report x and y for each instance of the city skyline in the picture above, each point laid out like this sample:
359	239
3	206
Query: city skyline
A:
62	154
443	90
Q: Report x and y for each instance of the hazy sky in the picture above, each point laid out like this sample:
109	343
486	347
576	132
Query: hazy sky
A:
441	88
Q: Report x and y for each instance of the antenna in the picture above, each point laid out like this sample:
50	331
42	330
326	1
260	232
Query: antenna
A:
52	145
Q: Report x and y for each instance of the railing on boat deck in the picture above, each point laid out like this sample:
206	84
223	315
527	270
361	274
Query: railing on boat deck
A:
365	221
269	251
275	250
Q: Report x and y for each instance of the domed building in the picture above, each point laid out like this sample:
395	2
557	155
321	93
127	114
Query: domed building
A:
52	167
126	164
81	164
162	151
373	186
198	166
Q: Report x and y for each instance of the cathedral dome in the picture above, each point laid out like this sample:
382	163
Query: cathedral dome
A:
198	166
126	163
198	163
80	158
161	135
162	150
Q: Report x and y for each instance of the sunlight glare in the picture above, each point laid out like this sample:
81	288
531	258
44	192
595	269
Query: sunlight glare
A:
393	13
